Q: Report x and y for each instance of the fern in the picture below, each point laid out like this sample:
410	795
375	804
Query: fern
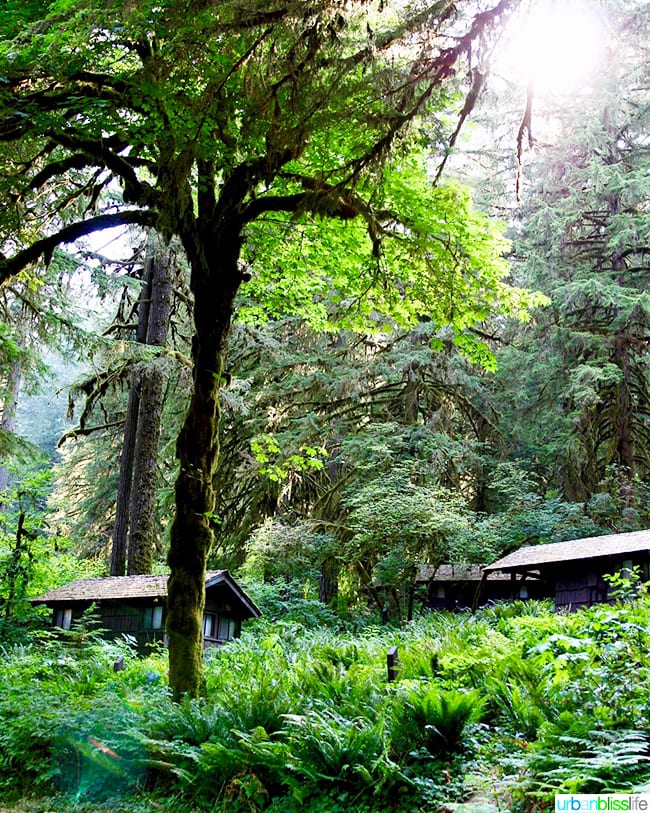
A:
584	761
433	719
327	746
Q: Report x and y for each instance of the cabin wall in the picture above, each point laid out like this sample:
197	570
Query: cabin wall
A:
117	619
142	616
576	589
582	583
451	595
461	595
144	621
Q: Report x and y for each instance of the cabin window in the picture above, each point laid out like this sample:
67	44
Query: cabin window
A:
626	568
209	625
523	591
153	618
440	592
218	626
63	619
226	629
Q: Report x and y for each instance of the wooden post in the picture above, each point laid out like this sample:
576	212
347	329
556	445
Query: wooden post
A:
392	663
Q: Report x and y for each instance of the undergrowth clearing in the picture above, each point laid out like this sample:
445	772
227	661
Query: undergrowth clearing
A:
511	705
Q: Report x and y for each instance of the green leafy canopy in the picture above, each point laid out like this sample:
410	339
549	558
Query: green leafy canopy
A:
440	260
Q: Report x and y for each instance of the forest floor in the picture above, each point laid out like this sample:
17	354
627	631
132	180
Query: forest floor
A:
53	805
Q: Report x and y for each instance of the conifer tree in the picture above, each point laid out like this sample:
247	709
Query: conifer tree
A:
586	243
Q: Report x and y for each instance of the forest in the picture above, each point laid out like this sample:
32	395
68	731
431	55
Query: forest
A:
321	294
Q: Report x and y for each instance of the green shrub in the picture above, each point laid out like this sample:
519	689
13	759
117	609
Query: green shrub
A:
296	719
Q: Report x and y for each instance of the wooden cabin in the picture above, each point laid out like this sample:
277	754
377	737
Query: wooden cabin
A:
574	570
136	606
460	587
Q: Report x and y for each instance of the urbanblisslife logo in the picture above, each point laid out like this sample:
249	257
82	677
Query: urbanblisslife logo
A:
601	802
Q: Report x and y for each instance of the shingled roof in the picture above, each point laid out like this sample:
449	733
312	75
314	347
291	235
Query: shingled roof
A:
116	588
593	547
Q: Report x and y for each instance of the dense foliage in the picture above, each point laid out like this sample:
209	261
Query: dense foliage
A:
505	707
211	119
382	402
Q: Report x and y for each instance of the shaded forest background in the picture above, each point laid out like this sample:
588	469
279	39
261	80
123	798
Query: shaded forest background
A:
352	455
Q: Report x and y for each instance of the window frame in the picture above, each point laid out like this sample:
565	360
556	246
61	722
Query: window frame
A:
153	617
210	624
63	618
218	626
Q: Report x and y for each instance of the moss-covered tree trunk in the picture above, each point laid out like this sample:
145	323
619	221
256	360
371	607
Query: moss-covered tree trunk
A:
213	251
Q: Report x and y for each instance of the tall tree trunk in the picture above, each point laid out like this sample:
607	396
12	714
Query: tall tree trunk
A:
15	572
151	389
215	279
10	406
121	527
133	535
624	428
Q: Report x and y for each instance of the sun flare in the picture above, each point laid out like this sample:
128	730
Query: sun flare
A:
558	45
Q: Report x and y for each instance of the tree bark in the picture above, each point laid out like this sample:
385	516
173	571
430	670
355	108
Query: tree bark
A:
328	585
133	535
121	526
140	548
625	445
15	572
215	279
8	421
151	387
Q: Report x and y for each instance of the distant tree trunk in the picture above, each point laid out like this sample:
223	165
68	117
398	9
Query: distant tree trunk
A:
625	424
328	586
410	593
8	421
133	536
16	572
410	397
151	388
328	507
121	527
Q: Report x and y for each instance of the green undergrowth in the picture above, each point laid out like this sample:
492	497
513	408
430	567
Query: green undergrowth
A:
510	705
